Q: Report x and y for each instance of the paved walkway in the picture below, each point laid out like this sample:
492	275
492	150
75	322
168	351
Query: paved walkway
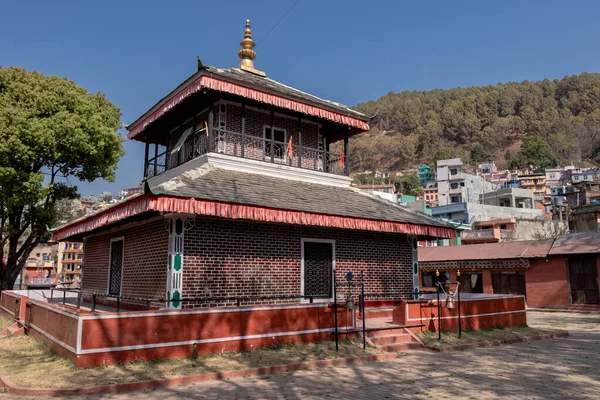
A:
563	368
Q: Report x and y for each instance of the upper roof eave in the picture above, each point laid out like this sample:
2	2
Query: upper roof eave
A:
226	75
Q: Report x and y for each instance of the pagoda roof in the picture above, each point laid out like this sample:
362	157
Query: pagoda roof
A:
245	84
217	192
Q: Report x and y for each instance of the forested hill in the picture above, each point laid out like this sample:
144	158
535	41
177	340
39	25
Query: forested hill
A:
412	127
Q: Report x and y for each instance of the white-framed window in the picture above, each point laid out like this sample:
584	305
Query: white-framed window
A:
318	268
279	142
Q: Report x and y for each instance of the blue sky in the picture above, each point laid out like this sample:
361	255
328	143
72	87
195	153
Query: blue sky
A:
345	50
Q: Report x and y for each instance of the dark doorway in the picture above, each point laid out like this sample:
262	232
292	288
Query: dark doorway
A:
508	283
318	269
583	278
116	267
471	282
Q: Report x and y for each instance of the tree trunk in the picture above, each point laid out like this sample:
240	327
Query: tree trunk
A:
7	279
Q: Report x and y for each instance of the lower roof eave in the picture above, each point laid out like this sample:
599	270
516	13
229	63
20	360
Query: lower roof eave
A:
171	204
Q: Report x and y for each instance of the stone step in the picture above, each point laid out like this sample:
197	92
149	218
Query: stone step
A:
386	332
392	348
391	339
378	312
13	330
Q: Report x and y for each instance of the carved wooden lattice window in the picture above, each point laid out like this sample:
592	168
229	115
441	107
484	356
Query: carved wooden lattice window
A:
116	267
318	268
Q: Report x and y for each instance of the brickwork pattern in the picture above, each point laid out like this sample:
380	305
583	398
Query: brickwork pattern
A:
145	262
225	258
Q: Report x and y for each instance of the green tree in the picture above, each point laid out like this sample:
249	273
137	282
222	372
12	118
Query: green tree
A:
479	154
536	154
407	184
50	130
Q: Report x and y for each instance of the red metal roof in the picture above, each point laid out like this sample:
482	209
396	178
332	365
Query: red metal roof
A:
487	251
577	243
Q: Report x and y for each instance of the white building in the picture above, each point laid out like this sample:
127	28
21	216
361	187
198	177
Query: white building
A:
456	186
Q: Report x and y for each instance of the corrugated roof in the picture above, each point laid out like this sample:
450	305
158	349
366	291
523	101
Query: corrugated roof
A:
487	251
577	243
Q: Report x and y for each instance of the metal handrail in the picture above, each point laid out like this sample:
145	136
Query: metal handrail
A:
238	300
247	146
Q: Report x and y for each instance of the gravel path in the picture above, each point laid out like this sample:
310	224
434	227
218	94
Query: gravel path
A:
562	368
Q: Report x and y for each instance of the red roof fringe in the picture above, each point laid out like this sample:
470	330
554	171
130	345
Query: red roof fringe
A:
227	87
173	204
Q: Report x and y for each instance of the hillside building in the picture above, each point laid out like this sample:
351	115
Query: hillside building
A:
457	186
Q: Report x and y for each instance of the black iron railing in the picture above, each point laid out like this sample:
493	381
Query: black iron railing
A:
247	146
237	301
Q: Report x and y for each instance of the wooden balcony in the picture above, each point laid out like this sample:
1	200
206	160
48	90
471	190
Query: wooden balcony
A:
246	146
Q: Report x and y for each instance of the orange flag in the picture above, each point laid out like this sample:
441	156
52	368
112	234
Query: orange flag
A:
342	158
290	152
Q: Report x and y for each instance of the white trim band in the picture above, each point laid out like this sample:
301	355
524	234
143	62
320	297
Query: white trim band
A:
204	341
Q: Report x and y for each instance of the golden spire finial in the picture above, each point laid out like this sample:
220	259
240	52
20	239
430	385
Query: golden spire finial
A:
247	54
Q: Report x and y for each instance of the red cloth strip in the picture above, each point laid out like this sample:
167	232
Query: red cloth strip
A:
150	202
253	94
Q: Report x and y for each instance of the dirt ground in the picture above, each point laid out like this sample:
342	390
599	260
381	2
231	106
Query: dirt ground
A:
27	362
5	323
467	337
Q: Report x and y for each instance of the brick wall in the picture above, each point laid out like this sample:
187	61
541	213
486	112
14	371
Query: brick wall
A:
225	258
547	284
145	262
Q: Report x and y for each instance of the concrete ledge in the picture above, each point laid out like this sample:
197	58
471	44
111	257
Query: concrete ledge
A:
497	342
131	386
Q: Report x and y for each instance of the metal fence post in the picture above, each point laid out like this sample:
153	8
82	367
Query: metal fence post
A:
362	308
118	303
335	319
94	302
459	327
439	311
51	295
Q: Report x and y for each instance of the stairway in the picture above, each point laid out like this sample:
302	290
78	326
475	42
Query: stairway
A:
377	312
13	330
392	340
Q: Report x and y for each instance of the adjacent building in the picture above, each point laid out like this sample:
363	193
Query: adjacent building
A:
535	183
69	260
430	194
457	186
425	174
40	267
555	273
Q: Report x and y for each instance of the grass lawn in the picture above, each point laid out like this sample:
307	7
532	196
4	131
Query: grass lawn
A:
5	323
450	338
29	363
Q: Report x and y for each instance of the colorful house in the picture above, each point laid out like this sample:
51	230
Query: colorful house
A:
425	174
